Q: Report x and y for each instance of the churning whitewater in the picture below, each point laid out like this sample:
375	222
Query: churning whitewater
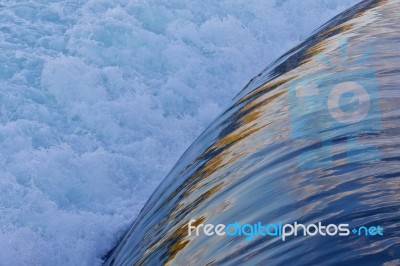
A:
302	168
100	98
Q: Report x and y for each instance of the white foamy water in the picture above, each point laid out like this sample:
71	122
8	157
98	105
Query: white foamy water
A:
100	98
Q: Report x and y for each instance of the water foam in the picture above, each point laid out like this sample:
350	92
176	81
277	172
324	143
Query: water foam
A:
100	98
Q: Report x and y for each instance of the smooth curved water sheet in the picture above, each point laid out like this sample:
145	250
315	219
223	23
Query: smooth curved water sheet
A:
313	138
100	98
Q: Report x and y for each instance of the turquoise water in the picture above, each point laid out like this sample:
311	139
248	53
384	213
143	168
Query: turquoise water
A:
99	98
313	138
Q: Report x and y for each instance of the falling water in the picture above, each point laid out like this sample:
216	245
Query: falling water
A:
313	138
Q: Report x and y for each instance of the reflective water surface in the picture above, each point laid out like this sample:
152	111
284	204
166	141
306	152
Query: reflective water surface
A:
314	137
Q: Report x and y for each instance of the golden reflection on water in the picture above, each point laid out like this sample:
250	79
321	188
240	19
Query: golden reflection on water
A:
252	162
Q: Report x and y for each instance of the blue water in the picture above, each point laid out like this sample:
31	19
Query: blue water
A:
313	139
100	98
